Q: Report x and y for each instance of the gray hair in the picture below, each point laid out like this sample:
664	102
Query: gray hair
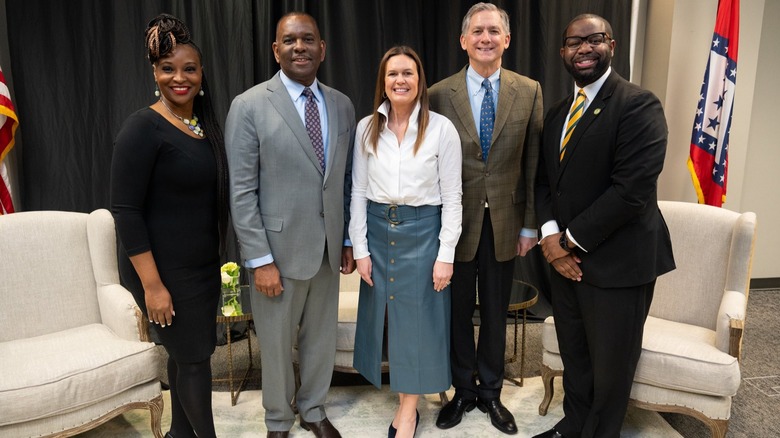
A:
480	7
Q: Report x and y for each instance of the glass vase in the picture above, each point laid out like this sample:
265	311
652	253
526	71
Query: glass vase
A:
231	302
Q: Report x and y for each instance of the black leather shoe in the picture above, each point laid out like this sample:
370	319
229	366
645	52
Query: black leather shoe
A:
321	429
552	433
451	414
500	416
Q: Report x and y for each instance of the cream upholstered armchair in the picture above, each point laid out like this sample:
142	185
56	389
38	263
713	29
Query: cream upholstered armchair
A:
693	335
71	350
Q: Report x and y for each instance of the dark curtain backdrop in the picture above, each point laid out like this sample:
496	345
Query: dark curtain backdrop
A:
79	66
79	70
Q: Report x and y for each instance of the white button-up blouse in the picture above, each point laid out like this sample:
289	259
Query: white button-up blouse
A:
395	175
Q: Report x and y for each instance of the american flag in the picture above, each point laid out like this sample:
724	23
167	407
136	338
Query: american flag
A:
708	162
8	125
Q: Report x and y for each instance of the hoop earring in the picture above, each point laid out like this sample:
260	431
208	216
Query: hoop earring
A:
201	92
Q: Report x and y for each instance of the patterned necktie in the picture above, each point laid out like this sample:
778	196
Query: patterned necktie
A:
487	116
574	118
313	126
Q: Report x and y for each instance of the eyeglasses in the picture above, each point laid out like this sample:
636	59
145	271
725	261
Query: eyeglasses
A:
594	39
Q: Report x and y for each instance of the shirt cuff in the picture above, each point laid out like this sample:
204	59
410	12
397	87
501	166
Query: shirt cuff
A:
260	261
550	227
528	232
571	238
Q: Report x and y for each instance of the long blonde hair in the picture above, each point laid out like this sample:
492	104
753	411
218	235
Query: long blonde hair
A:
378	121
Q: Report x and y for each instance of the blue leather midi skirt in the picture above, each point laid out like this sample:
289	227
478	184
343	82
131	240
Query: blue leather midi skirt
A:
404	242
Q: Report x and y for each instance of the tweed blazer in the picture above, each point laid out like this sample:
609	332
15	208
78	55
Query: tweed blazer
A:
281	201
506	181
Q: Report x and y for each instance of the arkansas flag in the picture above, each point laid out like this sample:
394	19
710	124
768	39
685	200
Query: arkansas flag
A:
708	160
8	124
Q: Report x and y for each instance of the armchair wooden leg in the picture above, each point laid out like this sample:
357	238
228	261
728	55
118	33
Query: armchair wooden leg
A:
548	375
156	411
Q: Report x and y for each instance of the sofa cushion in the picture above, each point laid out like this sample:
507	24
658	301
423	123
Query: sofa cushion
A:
345	335
74	368
675	356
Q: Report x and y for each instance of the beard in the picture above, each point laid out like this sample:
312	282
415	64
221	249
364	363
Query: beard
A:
586	77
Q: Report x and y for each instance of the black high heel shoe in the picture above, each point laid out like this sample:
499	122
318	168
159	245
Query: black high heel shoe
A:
392	431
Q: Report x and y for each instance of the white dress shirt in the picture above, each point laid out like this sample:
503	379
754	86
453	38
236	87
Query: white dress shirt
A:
395	175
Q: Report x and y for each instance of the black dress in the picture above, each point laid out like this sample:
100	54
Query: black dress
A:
164	199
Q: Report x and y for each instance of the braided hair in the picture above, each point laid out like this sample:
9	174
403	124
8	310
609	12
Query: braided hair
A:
163	33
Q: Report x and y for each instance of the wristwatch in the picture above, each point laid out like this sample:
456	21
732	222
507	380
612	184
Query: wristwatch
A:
564	242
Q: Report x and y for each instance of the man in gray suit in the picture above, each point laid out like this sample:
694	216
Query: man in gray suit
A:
289	145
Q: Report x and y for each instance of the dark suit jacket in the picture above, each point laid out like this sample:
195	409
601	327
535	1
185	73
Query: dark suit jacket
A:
605	189
506	182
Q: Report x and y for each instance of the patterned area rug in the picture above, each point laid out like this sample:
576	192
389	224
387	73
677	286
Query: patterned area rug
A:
364	411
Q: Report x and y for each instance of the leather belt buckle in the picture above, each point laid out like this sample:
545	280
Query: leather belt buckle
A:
392	214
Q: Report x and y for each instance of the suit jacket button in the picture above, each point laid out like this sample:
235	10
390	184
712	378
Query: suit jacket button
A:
487	173
322	214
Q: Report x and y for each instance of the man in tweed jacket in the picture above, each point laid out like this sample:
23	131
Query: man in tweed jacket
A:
498	201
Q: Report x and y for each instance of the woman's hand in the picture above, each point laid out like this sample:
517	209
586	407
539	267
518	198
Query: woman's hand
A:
364	269
159	305
442	273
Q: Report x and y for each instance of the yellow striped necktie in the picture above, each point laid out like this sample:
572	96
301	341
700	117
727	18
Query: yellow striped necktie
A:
574	118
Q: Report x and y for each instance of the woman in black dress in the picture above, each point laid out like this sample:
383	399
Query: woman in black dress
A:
169	201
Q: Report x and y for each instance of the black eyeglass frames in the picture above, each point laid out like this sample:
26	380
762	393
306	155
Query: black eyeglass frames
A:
594	39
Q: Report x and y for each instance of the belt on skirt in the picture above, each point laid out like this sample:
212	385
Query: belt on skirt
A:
397	214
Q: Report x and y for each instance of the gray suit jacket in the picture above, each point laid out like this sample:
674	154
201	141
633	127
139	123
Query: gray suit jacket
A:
507	180
281	202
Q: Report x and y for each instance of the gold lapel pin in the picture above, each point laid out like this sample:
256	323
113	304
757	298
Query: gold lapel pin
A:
597	111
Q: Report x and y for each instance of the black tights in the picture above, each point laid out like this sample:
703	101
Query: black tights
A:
191	414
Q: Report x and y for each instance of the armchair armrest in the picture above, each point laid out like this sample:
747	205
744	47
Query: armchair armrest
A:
731	320
120	313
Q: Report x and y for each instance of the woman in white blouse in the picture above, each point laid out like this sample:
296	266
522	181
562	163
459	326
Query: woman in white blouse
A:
405	224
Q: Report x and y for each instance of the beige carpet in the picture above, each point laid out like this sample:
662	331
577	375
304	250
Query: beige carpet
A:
363	411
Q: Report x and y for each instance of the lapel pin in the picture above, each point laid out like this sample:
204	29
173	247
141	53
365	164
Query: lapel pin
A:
597	111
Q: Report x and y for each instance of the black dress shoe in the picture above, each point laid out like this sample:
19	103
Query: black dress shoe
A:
451	414
500	416
552	433
321	429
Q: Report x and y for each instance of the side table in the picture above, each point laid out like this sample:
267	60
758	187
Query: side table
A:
524	295
227	320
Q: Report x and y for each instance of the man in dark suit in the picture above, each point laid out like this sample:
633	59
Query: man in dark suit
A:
602	231
289	144
498	115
